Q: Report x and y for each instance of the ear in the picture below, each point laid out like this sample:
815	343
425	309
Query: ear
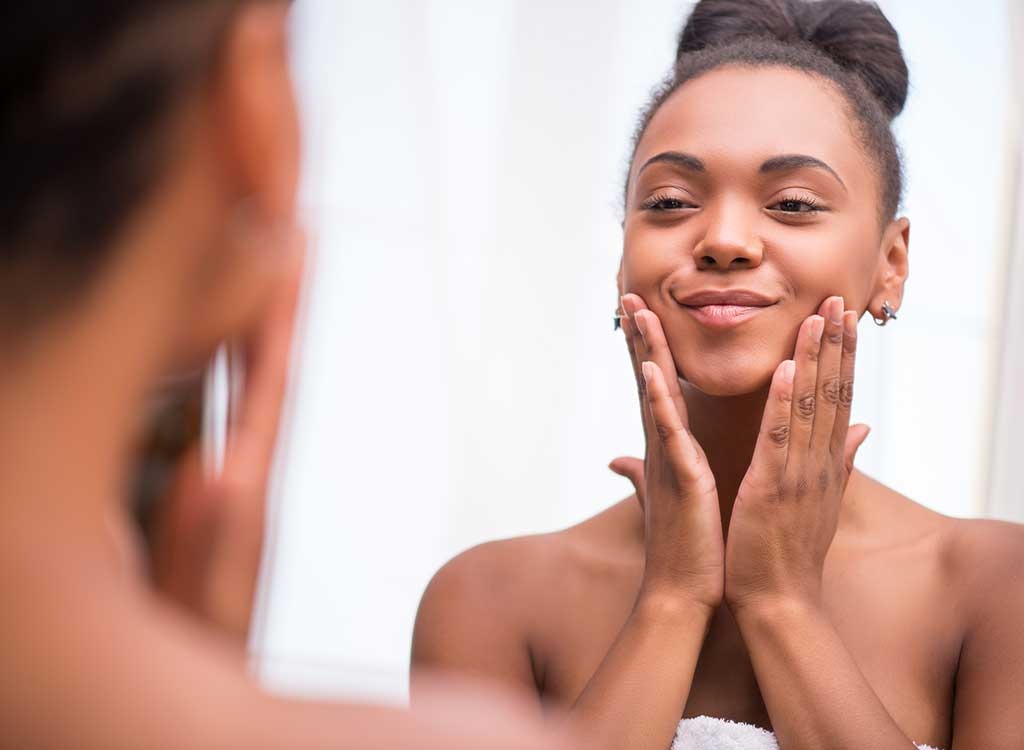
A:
257	115
893	267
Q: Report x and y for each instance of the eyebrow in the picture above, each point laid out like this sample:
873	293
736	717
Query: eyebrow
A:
678	158
784	163
789	162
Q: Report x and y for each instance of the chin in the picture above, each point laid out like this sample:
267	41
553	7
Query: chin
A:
729	379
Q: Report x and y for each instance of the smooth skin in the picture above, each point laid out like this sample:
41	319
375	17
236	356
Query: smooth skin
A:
755	575
93	654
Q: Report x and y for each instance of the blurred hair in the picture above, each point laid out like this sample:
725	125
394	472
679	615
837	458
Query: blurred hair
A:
87	88
847	42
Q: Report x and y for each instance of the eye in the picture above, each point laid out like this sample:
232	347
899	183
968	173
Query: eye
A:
665	203
803	204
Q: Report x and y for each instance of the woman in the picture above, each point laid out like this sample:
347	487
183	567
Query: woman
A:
150	152
756	576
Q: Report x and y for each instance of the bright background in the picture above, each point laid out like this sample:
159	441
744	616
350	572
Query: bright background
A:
459	379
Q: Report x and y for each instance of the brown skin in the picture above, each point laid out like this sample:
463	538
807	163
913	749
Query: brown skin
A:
92	655
755	575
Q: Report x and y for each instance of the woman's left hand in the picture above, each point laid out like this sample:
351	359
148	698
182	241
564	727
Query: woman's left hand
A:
787	509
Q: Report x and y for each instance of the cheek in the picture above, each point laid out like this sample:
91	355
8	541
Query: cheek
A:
837	262
649	256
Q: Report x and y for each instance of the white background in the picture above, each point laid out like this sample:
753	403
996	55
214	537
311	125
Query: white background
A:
459	379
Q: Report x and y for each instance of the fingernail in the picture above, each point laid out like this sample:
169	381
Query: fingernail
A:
817	329
850	325
788	371
646	368
835	310
641	323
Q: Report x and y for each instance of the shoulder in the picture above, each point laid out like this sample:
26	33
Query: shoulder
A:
966	551
986	557
970	562
504	591
506	574
497	574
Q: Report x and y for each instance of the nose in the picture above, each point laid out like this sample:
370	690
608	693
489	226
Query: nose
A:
729	242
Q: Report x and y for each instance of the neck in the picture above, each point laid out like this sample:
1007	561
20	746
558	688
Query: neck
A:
726	428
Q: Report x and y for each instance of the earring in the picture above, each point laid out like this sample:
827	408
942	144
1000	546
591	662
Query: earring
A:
887	314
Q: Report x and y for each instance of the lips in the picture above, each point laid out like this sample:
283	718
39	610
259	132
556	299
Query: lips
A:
725	308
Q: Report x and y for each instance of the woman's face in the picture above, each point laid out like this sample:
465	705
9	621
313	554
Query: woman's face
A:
750	202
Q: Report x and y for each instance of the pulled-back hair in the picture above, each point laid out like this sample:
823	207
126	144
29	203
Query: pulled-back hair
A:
849	43
86	89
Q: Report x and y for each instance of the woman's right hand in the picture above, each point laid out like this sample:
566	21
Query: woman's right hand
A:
684	548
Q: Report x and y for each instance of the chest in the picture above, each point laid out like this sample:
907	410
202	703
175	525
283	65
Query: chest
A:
899	628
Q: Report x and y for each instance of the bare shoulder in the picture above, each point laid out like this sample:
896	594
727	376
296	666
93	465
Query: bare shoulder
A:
987	561
970	562
504	575
986	556
481	609
978	557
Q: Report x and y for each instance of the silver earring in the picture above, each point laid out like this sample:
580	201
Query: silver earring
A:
887	314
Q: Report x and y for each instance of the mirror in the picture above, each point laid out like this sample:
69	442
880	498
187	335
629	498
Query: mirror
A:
459	379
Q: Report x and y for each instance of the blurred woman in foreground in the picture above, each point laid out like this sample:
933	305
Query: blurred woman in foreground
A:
151	151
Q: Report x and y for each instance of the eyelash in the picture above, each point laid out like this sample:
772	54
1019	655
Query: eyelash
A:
812	204
653	203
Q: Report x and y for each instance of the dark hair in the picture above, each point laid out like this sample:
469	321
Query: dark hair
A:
847	42
86	89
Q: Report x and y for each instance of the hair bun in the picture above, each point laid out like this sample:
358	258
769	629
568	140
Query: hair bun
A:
855	34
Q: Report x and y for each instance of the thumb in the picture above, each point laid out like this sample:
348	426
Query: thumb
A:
632	469
855	437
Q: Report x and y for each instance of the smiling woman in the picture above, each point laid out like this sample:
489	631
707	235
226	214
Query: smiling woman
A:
755	575
737	190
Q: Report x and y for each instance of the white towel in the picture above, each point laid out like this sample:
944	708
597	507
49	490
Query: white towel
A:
708	733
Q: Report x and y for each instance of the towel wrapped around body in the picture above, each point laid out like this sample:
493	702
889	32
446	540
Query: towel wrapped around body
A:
708	733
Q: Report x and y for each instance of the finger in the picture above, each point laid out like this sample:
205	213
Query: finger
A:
854	440
805	383
829	385
632	335
672	434
846	374
773	439
181	526
633	470
254	435
631	304
658	352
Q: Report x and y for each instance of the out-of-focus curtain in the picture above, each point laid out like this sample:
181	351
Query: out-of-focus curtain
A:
1006	490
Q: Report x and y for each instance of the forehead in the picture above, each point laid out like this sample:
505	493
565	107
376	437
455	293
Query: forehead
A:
738	116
